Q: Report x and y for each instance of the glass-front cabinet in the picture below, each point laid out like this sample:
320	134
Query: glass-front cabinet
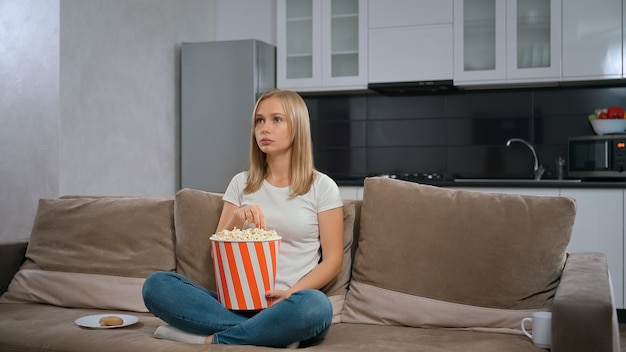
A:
512	41
321	44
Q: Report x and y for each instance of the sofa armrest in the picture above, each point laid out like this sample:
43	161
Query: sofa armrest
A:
584	317
11	258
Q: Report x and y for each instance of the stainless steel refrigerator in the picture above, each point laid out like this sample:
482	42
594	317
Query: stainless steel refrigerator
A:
220	82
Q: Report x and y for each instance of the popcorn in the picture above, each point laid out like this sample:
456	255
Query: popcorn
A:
251	234
244	263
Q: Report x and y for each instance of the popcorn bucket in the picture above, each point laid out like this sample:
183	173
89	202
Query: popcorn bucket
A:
244	271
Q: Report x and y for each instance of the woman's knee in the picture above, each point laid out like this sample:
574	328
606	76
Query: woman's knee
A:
315	305
316	315
317	296
155	281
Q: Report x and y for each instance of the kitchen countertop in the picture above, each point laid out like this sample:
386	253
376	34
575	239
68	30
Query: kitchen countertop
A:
521	183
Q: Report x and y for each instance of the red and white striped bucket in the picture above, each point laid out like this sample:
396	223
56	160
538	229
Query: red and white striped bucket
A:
244	271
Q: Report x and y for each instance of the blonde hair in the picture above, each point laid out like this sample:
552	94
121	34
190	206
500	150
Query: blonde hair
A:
302	170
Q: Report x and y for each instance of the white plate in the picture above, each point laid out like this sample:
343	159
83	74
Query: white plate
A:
93	321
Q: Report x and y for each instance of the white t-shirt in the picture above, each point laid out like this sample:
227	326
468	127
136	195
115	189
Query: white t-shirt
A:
295	219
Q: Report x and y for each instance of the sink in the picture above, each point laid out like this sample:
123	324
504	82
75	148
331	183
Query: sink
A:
513	180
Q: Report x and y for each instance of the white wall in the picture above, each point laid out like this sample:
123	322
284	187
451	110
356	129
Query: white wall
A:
90	97
246	19
120	75
29	111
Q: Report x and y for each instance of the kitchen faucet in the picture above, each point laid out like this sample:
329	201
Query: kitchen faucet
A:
538	169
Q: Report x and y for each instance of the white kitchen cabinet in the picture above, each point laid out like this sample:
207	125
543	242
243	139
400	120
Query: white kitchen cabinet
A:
410	40
599	227
321	45
403	13
531	191
507	41
592	39
351	192
479	41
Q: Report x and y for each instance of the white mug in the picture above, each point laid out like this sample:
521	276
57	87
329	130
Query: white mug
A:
541	329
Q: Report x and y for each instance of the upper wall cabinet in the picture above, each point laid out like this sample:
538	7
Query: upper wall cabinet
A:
592	39
321	45
410	40
507	41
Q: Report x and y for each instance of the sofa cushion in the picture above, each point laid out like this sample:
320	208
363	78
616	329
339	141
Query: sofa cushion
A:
95	252
28	327
435	257
196	215
337	288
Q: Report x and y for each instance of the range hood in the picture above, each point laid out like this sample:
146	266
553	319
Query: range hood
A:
414	88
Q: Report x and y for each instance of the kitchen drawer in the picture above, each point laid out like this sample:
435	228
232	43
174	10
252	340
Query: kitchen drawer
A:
410	54
400	13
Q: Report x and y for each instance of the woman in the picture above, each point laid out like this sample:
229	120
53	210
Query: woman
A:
281	191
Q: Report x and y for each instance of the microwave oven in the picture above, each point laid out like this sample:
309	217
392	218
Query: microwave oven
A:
597	156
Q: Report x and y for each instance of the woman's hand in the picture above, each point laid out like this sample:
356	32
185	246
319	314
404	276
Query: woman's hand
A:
253	214
277	295
234	216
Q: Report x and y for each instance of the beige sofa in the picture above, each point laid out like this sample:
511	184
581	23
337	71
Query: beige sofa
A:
425	269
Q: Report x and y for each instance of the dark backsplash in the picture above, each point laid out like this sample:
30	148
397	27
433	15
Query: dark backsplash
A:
457	135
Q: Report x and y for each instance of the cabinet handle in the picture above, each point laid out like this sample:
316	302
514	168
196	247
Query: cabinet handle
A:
606	154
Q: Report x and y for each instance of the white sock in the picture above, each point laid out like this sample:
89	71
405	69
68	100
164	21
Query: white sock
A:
171	333
294	345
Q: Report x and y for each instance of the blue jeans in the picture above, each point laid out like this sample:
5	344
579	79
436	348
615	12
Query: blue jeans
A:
305	316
